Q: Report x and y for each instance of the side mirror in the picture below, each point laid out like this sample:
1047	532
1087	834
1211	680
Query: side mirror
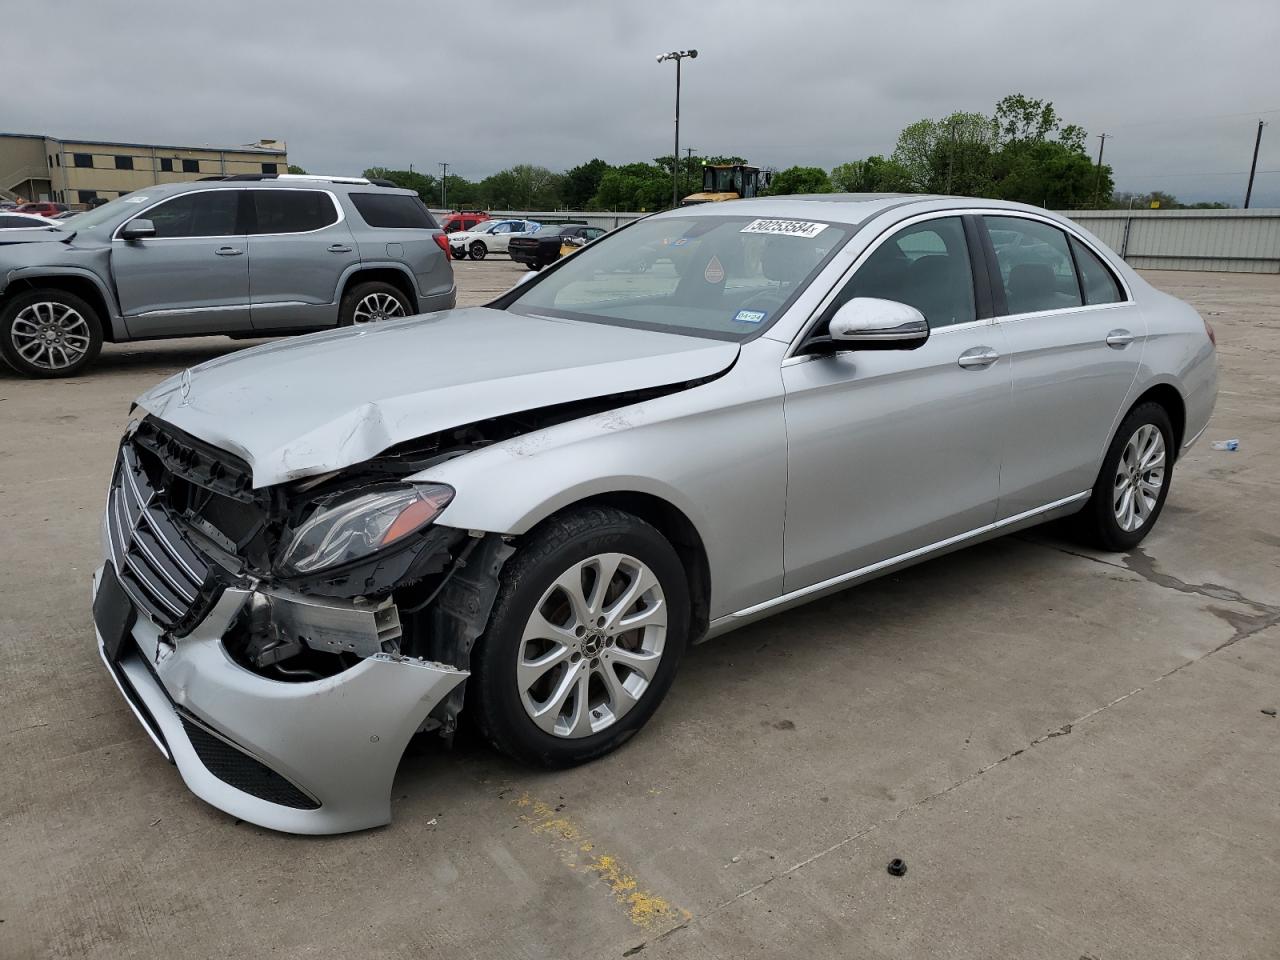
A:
138	229
867	323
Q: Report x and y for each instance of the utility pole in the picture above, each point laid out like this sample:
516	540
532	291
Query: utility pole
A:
1097	185
677	56
1253	167
444	185
688	155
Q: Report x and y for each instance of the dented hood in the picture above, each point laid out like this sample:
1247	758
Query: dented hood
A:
300	407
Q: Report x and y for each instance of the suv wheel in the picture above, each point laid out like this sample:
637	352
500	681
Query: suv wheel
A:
49	333
1133	483
585	637
479	251
370	302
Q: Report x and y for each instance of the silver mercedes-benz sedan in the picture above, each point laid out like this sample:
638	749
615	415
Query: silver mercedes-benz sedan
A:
520	515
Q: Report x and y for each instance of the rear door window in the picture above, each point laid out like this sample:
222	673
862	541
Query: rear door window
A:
1035	265
292	211
397	211
1100	285
210	213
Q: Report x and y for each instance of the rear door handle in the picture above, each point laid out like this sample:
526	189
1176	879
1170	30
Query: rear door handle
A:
339	248
228	251
1119	339
977	357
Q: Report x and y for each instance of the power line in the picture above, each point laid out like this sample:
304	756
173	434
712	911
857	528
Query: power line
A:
1213	116
1194	173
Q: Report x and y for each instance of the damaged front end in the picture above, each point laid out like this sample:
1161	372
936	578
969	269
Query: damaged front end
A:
291	639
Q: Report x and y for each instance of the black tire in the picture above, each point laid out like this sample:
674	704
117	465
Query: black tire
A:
1097	524
457	254
479	251
493	695
357	293
91	329
534	267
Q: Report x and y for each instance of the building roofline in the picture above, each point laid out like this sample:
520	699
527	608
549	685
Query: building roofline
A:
153	146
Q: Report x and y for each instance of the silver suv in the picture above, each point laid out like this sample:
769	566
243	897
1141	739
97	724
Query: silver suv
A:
240	256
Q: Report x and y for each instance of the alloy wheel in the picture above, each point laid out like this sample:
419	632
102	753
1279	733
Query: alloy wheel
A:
377	306
1139	478
592	645
50	335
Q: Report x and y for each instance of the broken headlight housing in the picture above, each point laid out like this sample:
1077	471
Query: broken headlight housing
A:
354	527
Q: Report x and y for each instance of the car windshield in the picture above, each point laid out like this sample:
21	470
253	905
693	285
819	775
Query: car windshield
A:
103	214
728	278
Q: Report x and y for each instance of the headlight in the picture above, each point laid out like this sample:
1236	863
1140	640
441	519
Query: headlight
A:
350	529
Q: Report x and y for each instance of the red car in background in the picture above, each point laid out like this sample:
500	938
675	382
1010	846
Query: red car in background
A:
462	220
42	208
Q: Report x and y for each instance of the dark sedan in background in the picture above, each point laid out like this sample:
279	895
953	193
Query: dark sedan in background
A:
550	243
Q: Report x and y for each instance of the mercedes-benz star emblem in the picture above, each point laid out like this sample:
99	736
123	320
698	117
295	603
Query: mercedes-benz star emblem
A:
185	388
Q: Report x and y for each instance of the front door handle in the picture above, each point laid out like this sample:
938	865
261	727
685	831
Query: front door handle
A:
1119	339
976	358
228	251
339	248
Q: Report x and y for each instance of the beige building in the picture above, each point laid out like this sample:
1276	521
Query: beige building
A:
80	172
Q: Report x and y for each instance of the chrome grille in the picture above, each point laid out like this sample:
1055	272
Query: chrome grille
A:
158	568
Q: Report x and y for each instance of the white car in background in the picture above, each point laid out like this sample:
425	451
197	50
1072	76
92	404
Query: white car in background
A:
489	236
23	221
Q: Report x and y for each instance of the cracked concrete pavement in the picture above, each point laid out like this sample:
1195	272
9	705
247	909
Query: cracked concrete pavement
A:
1067	748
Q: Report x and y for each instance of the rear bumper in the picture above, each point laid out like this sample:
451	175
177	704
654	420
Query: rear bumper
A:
315	758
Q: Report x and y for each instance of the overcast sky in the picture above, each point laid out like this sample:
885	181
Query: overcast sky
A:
484	85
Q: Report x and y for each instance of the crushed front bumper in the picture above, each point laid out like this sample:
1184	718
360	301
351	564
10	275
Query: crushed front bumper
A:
314	757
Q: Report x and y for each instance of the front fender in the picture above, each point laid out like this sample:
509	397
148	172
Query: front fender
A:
720	463
36	273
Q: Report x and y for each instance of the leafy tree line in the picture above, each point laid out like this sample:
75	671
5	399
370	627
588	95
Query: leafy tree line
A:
1023	151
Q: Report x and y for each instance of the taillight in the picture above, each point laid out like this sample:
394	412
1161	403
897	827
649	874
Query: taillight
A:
442	241
1209	330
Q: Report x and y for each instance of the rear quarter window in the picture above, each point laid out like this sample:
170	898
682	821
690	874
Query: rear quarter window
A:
393	211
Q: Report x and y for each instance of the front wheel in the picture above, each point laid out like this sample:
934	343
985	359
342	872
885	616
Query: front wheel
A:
458	253
370	302
533	266
1134	481
49	333
479	251
584	641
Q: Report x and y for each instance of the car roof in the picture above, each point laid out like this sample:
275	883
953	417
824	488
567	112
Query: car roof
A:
286	182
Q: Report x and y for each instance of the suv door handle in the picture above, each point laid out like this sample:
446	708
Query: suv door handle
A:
339	248
228	251
977	358
1119	339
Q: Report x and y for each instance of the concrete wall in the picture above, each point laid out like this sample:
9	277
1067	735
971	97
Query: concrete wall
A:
1238	241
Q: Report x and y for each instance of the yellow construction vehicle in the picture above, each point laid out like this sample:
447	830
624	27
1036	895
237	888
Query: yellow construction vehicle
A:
723	181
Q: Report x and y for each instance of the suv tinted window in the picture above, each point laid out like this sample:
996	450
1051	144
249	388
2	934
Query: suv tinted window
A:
292	211
208	214
925	265
1099	284
394	211
1035	264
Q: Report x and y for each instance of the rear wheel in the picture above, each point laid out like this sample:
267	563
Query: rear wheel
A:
584	641
479	251
533	266
372	301
1134	481
49	333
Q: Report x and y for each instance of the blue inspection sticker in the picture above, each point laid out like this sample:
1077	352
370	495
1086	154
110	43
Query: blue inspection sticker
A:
750	316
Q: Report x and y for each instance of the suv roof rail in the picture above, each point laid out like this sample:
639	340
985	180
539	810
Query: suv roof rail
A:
299	176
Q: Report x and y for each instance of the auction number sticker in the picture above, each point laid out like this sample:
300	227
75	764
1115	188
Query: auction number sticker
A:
786	228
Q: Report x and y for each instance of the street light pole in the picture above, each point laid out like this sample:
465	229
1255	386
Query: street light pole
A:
444	184
1253	167
677	56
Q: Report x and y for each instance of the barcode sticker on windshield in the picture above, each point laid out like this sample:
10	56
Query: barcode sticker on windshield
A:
786	228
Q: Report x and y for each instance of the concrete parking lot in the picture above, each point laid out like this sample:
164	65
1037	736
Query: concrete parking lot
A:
1068	749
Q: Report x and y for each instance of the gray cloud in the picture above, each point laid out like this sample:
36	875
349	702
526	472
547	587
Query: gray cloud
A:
488	84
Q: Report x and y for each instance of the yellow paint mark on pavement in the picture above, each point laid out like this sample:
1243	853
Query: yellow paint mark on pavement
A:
578	852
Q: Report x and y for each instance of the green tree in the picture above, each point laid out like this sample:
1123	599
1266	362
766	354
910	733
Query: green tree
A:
872	175
799	180
522	187
581	183
296	170
426	186
952	155
634	186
